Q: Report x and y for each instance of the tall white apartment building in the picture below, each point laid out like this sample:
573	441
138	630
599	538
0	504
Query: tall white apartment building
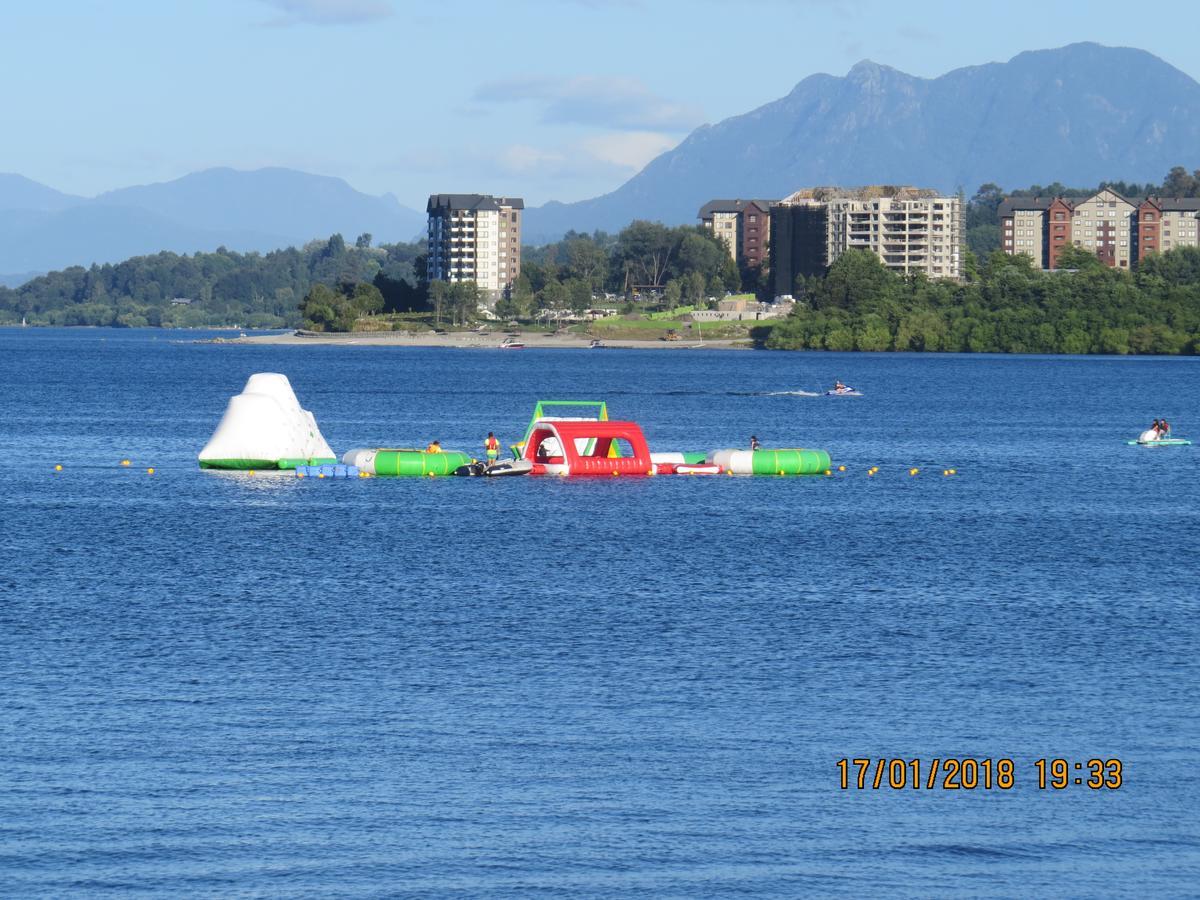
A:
911	234
911	230
475	237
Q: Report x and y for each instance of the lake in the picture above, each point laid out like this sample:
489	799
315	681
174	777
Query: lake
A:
222	684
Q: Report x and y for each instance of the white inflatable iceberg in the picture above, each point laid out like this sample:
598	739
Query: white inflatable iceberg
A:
265	428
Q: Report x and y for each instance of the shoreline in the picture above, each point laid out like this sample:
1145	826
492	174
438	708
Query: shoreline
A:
470	341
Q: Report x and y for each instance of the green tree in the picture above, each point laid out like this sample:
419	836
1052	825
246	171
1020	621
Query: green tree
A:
672	293
579	295
438	294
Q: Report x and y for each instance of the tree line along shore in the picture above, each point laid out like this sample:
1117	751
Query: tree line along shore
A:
654	275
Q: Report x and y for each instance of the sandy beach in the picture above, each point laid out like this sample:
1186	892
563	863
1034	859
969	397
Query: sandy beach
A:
474	341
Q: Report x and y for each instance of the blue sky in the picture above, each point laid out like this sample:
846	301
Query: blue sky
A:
546	99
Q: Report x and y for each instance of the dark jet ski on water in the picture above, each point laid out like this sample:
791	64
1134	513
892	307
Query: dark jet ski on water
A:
504	467
508	467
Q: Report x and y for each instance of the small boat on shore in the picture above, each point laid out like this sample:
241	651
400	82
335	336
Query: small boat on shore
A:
597	345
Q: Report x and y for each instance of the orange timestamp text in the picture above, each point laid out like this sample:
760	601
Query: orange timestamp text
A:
968	774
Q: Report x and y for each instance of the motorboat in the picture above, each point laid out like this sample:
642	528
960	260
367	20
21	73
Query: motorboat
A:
511	344
597	345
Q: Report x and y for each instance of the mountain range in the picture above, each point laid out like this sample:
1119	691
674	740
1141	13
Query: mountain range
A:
43	229
1078	114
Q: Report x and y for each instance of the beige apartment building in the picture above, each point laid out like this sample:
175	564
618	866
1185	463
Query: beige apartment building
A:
1119	231
912	230
475	237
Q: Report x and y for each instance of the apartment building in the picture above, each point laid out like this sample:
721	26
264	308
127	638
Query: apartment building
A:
743	225
475	237
1118	230
911	230
1165	223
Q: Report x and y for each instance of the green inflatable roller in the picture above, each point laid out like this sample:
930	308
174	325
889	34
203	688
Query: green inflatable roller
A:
772	462
402	462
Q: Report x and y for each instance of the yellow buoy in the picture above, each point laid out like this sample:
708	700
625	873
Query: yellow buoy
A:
150	471
827	472
729	471
841	468
251	472
299	474
124	462
320	474
954	471
58	468
913	471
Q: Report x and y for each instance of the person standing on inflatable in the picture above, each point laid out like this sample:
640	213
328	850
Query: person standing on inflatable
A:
491	447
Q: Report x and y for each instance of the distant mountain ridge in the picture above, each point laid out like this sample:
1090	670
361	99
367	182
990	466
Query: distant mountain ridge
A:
265	209
1078	114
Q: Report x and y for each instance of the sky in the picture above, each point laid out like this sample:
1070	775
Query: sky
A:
542	99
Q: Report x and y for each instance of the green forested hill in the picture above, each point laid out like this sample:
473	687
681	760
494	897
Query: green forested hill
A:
1007	307
253	290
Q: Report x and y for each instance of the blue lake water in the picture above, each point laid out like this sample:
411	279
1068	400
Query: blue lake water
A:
225	685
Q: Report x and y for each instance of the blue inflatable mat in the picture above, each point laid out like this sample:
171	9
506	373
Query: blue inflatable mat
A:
338	471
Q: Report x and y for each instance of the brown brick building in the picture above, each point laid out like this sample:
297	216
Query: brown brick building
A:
744	226
1167	222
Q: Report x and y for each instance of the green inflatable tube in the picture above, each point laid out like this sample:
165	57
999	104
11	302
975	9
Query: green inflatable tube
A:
418	462
790	462
795	461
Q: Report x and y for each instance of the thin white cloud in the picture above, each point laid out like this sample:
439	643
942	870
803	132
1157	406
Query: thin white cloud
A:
328	12
618	102
629	150
520	159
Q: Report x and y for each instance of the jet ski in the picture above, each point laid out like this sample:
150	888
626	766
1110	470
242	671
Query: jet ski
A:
845	391
508	467
1150	438
470	469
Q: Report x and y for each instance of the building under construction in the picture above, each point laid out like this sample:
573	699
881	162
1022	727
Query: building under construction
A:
912	230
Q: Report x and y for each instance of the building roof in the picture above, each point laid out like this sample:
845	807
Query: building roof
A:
473	202
1010	204
732	206
827	193
1176	204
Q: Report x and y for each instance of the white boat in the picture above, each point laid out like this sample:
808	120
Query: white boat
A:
511	344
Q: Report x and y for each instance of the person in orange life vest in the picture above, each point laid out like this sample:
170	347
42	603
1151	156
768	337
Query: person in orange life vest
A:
491	447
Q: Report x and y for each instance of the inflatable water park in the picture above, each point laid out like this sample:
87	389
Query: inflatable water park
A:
265	428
